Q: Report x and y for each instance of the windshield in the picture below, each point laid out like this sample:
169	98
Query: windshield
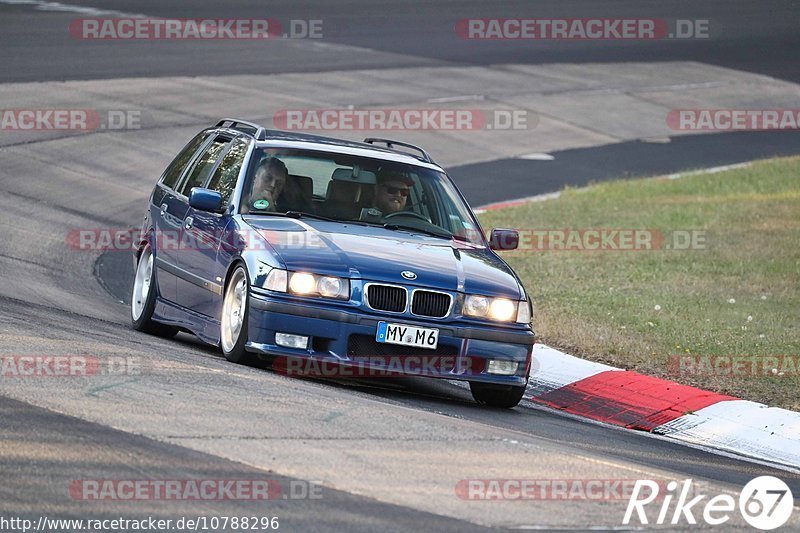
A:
349	188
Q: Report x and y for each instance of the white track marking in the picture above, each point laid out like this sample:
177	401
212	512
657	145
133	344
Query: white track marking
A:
711	170
40	5
465	98
537	157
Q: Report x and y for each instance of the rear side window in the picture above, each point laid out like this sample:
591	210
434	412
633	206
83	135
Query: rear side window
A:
175	169
224	178
204	166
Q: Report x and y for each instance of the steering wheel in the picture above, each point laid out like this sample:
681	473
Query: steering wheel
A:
411	214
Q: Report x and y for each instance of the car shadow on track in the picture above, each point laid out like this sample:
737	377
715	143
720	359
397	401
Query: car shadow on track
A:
454	400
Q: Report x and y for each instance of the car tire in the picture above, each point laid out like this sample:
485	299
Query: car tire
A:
233	321
143	298
504	396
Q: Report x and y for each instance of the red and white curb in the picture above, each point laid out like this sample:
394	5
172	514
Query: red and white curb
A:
688	414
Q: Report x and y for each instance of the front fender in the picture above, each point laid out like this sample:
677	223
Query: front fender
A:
243	244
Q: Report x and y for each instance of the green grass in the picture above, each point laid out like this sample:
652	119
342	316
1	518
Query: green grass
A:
602	304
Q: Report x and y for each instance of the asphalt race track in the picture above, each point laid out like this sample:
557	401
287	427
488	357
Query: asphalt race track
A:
754	36
387	455
580	166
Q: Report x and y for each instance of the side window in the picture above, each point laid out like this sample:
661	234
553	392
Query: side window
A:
224	178
175	169
204	165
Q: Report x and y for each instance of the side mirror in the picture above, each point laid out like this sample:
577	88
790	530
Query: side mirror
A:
205	200
504	239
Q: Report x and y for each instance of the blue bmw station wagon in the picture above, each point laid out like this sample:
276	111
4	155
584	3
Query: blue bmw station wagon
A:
270	243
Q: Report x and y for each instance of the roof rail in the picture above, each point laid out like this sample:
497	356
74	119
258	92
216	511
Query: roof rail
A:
258	132
390	144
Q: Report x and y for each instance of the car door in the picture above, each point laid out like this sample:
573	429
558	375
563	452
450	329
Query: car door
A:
206	229
167	211
197	286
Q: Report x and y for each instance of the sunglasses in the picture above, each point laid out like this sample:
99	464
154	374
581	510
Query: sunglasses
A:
402	191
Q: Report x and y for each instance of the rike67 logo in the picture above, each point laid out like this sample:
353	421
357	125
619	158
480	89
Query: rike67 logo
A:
765	503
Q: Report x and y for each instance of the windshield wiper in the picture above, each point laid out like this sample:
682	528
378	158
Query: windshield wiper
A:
440	234
306	214
297	214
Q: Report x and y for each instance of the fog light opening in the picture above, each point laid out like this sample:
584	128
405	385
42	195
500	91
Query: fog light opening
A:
287	340
502	367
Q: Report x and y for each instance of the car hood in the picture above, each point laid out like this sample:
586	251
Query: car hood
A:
374	253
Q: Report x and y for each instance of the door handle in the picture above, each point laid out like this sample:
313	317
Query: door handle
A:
188	222
163	209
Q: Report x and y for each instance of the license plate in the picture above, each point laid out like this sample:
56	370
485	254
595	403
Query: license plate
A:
406	335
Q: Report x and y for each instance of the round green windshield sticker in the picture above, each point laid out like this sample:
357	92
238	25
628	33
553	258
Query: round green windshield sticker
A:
261	204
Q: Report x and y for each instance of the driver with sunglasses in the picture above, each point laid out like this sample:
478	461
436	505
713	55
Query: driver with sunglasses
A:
391	192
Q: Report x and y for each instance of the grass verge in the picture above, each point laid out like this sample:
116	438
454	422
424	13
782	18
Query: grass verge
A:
731	298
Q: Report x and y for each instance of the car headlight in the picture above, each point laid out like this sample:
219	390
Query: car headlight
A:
498	309
307	284
302	283
330	287
502	310
476	305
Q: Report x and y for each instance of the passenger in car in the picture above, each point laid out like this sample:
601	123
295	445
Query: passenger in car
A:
268	184
391	192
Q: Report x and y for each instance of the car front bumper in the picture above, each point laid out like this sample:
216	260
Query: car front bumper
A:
344	340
